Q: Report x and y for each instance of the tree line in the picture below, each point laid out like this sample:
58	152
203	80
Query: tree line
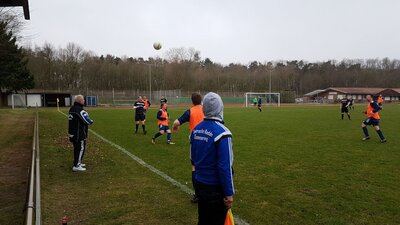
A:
73	68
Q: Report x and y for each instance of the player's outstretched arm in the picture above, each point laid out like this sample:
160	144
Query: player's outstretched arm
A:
176	125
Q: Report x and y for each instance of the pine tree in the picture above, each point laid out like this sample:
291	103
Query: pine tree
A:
14	74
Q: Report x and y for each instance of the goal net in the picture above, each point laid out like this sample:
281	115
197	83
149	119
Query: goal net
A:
17	101
125	102
267	98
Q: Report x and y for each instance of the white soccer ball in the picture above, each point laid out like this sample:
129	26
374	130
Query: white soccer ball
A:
157	45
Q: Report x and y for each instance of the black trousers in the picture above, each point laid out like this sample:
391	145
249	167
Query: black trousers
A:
211	207
79	151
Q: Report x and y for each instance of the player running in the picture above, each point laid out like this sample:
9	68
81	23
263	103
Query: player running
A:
162	120
140	116
259	103
344	107
194	116
373	119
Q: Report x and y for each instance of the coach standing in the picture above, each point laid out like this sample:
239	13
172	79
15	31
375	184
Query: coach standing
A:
78	131
212	155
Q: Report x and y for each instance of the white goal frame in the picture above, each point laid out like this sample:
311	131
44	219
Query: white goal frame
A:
262	93
18	101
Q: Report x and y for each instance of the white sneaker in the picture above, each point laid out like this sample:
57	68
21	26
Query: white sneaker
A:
83	164
78	169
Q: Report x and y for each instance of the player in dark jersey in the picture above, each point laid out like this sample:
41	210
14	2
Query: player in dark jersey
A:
259	103
344	107
351	106
163	100
140	116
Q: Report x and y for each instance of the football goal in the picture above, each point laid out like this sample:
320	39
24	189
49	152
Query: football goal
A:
17	101
267	98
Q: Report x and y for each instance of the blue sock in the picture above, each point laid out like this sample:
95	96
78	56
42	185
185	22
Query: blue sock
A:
157	135
169	137
380	134
365	131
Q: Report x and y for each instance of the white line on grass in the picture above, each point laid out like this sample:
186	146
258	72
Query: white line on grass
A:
184	188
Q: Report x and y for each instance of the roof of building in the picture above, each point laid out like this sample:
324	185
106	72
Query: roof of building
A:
16	3
352	90
316	92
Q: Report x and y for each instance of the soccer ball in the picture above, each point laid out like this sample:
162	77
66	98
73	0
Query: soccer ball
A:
157	45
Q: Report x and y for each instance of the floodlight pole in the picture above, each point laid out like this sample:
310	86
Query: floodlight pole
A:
150	82
270	86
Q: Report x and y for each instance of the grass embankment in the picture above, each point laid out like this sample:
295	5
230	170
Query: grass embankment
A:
16	131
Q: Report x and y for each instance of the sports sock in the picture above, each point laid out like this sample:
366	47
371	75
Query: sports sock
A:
380	134
169	136
157	135
193	182
144	127
342	116
137	125
348	115
365	131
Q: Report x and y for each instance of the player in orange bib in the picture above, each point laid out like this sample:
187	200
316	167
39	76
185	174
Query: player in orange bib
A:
194	116
147	103
373	119
162	121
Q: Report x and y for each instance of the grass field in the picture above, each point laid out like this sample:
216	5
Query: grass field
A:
293	165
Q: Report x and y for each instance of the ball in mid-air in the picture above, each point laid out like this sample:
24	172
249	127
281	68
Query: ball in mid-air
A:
157	45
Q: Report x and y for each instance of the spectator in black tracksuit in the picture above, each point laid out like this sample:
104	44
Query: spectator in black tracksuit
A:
78	131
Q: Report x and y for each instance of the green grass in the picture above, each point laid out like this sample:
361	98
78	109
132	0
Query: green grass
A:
16	129
293	165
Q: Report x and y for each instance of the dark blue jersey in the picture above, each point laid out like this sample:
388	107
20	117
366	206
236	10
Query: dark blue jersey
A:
185	117
345	102
139	106
163	101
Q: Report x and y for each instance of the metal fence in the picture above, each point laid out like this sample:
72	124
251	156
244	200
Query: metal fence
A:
33	205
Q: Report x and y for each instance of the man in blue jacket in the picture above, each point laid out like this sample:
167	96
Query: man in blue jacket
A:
212	155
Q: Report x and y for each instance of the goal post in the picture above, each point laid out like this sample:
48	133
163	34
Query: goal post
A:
267	98
17	101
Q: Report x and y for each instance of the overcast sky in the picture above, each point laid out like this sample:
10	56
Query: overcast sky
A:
224	30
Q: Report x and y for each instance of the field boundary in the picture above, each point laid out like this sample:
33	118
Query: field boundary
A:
171	180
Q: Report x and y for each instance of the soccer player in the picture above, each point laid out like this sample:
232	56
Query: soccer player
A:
259	103
351	106
78	121
255	101
163	100
140	116
373	119
212	154
147	103
344	107
194	116
162	120
380	100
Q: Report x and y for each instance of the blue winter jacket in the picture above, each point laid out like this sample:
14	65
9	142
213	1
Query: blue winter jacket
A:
212	155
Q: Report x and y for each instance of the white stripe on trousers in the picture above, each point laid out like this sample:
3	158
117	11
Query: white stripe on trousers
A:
81	152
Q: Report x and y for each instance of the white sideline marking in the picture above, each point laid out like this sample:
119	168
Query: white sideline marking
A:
184	188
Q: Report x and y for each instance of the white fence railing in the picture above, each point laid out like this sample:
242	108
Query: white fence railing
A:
33	206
